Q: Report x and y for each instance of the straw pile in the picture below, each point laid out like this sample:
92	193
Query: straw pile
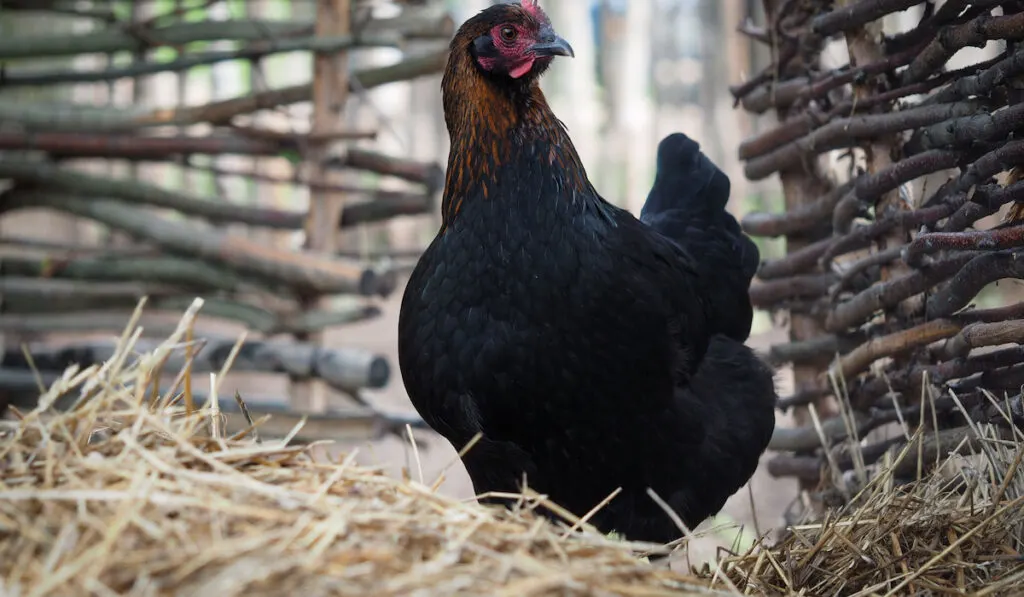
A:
129	494
956	531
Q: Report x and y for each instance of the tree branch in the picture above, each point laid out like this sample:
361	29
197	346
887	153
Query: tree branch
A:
767	294
860	358
949	40
886	295
422	24
185	273
799	220
980	240
856	15
799	261
258	50
844	132
975	275
818	350
304	273
978	335
77	119
344	369
40	318
966	131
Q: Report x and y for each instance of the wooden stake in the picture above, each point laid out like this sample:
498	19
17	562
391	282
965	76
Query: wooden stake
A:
330	92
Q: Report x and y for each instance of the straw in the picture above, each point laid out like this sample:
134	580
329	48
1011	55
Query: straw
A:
126	495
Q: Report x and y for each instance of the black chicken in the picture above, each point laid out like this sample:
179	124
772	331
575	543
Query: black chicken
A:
591	350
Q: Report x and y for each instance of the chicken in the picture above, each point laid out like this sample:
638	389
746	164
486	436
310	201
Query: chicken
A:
591	351
687	204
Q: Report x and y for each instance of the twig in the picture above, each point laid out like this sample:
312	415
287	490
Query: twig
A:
845	132
975	275
860	358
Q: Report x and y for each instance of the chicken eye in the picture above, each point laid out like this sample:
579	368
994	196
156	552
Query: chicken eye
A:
508	33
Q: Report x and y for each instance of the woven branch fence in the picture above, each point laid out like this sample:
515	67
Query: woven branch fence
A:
904	196
66	156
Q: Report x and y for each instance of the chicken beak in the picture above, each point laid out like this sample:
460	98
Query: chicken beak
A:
551	44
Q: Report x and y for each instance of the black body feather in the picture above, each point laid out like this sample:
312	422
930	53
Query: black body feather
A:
591	349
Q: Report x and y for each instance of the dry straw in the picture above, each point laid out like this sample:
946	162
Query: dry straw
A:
127	494
131	493
958	530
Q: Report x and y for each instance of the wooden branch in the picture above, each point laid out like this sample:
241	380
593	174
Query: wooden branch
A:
931	446
799	439
188	274
46	318
386	206
78	119
330	93
70	181
860	358
950	13
983	82
980	240
888	294
350	425
798	220
908	380
380	205
845	132
414	22
857	14
255	51
133	147
993	315
417	24
855	269
63	7
981	199
784	94
967	131
766	294
797	262
870	187
117	39
998	160
347	370
811	118
976	33
818	350
430	174
20	292
802	398
992	380
978	335
975	275
304	273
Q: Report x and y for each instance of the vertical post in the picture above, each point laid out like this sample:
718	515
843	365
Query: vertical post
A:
330	92
864	46
801	185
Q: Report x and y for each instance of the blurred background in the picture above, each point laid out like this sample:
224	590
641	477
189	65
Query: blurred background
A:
193	103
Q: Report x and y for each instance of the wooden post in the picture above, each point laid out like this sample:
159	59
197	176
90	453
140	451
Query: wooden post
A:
330	92
865	47
801	185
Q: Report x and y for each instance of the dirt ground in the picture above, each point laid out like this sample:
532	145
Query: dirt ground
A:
770	496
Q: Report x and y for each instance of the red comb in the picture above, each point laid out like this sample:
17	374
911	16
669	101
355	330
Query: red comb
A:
531	6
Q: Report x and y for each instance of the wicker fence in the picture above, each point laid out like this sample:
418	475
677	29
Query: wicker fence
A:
903	208
161	190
